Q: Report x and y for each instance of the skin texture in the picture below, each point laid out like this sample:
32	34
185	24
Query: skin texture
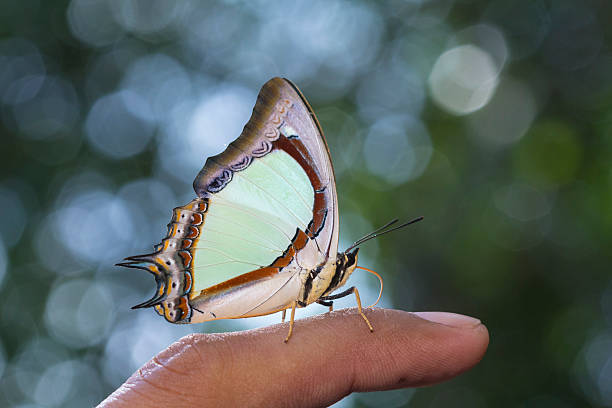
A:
328	357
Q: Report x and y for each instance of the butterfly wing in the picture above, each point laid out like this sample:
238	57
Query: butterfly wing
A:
266	210
282	120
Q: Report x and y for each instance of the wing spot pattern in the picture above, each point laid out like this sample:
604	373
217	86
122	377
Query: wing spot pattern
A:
271	133
171	265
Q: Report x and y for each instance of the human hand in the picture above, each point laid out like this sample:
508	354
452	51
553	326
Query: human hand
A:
329	356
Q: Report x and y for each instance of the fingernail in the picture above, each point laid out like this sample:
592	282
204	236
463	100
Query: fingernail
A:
449	319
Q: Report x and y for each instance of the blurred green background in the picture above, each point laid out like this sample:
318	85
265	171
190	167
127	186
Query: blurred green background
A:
492	119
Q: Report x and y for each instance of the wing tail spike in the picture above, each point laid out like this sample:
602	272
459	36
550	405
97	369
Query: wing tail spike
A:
134	265
155	300
148	303
141	258
141	305
160	296
146	266
145	263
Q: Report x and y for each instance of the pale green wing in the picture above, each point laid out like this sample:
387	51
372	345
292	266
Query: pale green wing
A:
252	221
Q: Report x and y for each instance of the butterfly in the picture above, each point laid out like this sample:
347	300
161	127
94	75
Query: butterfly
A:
262	235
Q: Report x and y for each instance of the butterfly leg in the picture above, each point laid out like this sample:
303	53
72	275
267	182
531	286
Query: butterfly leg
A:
346	293
293	306
356	292
283	316
330	304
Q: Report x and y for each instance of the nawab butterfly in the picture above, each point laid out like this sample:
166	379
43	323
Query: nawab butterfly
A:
262	235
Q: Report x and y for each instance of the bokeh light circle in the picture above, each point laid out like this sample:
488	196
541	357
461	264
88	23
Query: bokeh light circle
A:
463	79
92	22
94	225
507	117
22	70
159	80
522	202
115	126
397	148
200	128
79	313
145	16
52	110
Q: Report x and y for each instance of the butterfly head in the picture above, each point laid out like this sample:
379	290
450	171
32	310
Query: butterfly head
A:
350	260
345	265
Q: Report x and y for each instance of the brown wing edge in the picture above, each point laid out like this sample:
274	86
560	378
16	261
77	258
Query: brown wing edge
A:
259	137
255	140
312	115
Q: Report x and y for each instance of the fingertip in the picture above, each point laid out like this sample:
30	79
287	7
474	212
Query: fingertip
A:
414	351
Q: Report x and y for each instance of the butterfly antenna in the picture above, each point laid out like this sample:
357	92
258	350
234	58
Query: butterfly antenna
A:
368	235
381	231
376	231
380	279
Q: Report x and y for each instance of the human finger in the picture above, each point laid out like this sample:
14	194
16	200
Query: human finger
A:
328	357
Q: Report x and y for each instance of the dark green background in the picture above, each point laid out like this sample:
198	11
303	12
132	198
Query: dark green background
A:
109	108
